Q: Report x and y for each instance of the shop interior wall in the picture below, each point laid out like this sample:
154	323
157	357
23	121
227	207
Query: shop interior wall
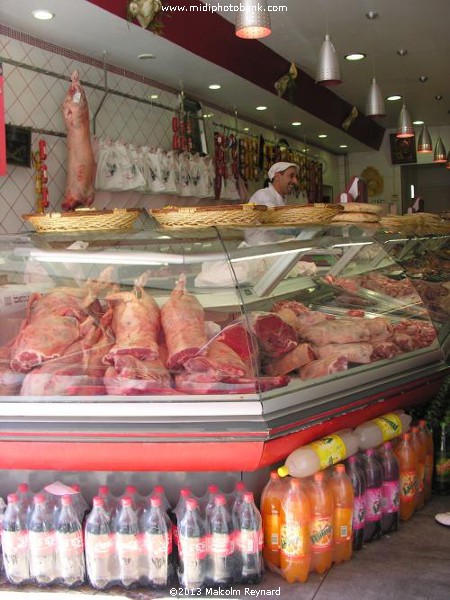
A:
35	99
391	174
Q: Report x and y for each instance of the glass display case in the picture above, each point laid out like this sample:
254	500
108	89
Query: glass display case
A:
208	336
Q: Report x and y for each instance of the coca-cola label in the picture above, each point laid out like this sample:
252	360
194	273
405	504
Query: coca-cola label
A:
192	547
249	541
15	542
221	544
42	542
127	545
390	500
408	485
330	450
373	504
359	512
342	524
69	544
321	533
99	545
294	539
156	545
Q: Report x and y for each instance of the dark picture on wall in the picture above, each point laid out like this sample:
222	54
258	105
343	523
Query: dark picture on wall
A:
18	145
403	150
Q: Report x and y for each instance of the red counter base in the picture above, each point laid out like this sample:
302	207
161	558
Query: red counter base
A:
227	455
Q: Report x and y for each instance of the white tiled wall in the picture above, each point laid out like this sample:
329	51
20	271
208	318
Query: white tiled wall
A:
35	99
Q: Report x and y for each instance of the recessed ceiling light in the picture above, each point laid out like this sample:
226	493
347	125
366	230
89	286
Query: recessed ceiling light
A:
418	122
42	14
371	14
214	86
354	56
261	108
296	123
246	128
322	135
438	97
393	98
154	96
343	146
402	52
146	56
423	78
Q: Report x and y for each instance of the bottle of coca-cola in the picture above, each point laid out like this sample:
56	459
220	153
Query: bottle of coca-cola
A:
15	542
69	545
101	561
109	502
212	492
157	545
42	543
159	491
249	541
192	547
221	564
80	505
127	543
236	499
25	498
176	515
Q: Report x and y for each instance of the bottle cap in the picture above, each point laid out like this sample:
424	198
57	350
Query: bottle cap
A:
185	492
274	475
340	467
97	501
158	489
155	501
131	489
76	487
103	490
39	499
126	501
66	500
191	503
22	488
248	497
220	500
239	487
213	488
283	471
319	476
12	498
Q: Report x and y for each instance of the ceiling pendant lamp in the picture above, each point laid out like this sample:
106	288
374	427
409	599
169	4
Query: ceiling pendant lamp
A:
253	20
424	144
440	156
405	127
375	101
328	70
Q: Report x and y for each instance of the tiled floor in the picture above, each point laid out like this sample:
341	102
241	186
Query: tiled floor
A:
413	563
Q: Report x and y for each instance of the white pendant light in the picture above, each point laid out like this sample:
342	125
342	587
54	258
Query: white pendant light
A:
253	20
424	144
375	101
405	127
440	156
328	69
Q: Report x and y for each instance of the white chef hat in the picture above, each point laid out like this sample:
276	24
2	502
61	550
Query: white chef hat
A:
279	166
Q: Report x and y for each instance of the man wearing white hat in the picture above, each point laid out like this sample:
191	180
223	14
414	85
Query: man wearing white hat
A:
283	178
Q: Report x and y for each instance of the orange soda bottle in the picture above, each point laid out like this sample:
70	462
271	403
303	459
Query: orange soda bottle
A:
429	458
342	490
419	441
321	524
295	551
270	512
407	461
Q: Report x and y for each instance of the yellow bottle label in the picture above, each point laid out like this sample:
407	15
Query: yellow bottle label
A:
390	426
330	450
294	540
321	532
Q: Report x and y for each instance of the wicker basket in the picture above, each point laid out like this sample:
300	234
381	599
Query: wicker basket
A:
415	224
315	214
84	220
226	215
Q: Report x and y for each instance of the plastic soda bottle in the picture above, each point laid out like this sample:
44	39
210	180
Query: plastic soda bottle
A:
110	503
429	458
390	500
157	543
321	523
342	490
358	479
192	547
69	545
101	561
42	543
374	495
127	543
318	455
249	541
382	429
212	492
15	542
295	542
221	567
418	439
270	512
442	466
159	491
236	499
25	498
407	462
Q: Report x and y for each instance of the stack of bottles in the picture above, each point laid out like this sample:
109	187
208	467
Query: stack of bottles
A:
42	538
307	522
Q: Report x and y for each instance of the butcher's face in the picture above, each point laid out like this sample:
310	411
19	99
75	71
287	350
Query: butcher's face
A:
286	181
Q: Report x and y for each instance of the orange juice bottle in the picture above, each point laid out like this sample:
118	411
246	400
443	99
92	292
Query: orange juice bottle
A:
429	458
342	490
295	552
321	524
418	439
270	512
407	462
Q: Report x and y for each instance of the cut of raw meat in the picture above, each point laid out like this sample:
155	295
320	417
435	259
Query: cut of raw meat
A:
291	361
219	360
275	337
359	353
199	383
324	366
130	376
338	331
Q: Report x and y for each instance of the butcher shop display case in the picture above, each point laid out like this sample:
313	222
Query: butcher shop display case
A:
217	349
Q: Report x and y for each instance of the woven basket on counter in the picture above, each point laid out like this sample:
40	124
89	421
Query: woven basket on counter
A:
415	224
310	214
226	215
84	220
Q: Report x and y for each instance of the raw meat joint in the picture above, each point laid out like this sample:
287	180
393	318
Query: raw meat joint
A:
80	155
